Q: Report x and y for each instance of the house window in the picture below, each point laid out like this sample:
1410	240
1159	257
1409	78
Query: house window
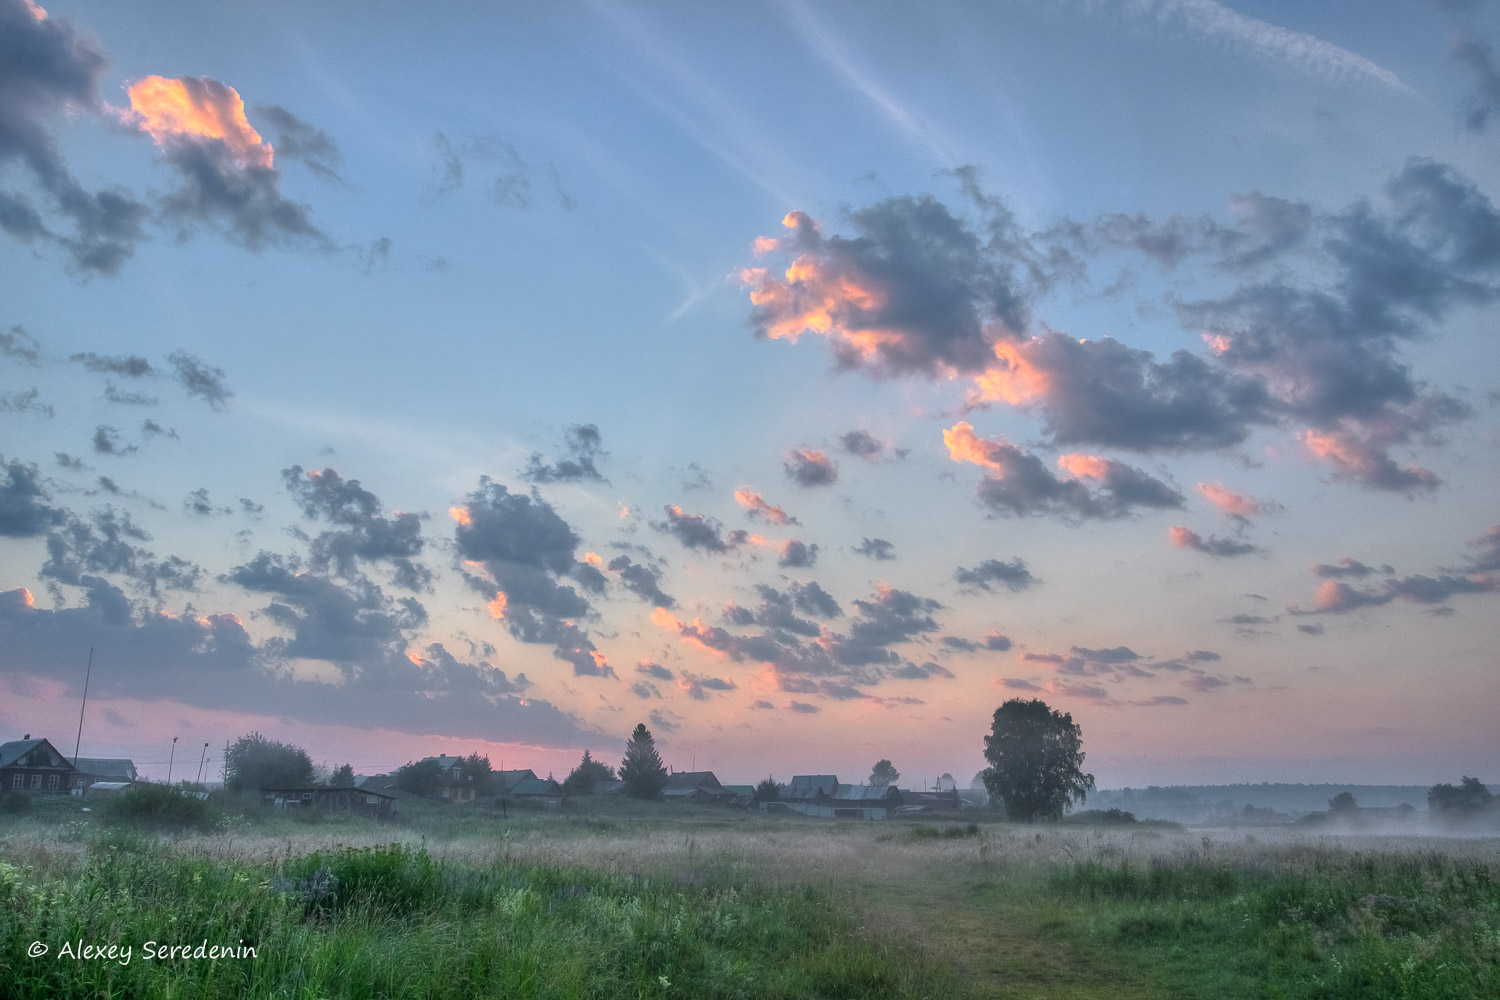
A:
19	781
307	795
52	782
36	782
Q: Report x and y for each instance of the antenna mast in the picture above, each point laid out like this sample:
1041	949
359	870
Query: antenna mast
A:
85	704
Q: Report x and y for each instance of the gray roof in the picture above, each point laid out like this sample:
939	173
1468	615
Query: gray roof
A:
868	793
111	768
536	786
684	781
15	749
810	786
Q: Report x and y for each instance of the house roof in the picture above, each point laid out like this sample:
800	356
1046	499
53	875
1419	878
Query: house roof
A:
867	793
113	768
689	780
326	788
13	751
810	786
508	778
536	786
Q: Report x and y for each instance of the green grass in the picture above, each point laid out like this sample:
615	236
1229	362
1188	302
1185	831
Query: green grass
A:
395	922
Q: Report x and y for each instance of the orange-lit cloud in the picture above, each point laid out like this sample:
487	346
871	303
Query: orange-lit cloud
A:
1184	538
756	506
497	607
966	446
168	109
1084	466
1229	502
1360	454
460	514
593	559
1015	379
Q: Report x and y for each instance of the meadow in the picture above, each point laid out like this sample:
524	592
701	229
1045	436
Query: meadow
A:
621	899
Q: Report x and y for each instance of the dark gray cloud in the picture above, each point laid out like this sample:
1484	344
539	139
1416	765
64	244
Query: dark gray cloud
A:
656	670
24	512
48	70
1213	545
997	642
115	394
68	461
211	661
916	291
107	441
797	554
197	502
1013	575
200	379
295	139
876	548
1019	485
584	446
28	401
150	428
810	598
810	468
525	549
803	708
361	533
642	580
18	344
696	531
698	686
1487	551
79	550
862	444
1349	567
961	644
127	365
1337	597
1478	59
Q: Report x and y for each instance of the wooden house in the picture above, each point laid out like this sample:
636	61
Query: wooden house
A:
344	798
34	765
693	786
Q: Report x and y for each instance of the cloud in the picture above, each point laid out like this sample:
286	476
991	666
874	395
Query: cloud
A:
224	168
524	549
641	580
876	548
49	71
915	292
200	379
862	444
584	446
211	661
197	502
810	468
804	708
1020	485
757	508
79	550
696	531
656	670
961	644
1013	575
1337	597
1233	503
361	533
797	554
23	510
1349	567
1212	545
1017	684
810	598
1478	58
698	686
997	642
23	402
117	395
107	441
297	140
17	343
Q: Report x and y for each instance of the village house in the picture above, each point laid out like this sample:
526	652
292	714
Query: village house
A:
112	770
693	786
823	795
453	783
34	765
363	801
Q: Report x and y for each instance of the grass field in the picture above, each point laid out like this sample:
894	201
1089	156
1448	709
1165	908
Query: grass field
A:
623	899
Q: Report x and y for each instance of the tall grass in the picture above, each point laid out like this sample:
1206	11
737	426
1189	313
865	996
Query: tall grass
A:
395	922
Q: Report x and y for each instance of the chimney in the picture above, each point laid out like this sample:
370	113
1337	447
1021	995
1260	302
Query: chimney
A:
26	737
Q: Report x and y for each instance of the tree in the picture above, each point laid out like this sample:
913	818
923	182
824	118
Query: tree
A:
477	770
257	762
642	769
1469	797
589	772
1036	761
1343	802
423	777
342	776
767	791
884	773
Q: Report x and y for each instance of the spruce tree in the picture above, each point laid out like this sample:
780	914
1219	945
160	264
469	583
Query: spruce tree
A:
642	769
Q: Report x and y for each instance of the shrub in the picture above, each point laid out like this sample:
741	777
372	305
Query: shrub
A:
158	807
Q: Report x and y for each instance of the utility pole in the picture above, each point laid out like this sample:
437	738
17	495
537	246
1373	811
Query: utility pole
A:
201	759
85	705
170	759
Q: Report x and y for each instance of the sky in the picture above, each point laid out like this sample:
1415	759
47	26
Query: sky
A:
802	380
